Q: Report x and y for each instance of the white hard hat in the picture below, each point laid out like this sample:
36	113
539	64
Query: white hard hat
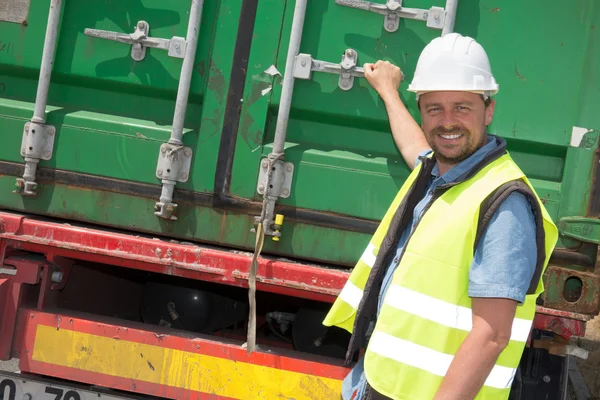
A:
454	63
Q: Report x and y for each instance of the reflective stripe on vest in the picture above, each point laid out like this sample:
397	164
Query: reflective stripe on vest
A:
426	313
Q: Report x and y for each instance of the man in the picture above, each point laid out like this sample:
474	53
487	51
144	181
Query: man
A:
444	296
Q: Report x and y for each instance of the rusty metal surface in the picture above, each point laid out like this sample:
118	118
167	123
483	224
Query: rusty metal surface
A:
564	327
571	290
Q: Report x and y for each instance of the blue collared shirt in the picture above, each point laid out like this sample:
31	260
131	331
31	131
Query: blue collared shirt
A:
504	260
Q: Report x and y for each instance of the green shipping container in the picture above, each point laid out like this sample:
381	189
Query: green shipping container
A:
112	99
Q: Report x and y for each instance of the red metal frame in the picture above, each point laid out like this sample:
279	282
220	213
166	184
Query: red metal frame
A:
27	271
314	366
188	261
62	243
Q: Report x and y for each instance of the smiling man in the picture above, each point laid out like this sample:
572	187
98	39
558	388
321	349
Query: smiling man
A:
443	298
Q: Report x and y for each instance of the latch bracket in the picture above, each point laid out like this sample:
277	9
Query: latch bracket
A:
281	178
174	162
346	69
393	11
140	41
37	144
583	229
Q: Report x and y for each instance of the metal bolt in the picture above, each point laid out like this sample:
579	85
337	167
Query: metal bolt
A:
57	276
547	379
288	168
437	17
265	164
285	192
163	149
187	152
141	24
426	15
177	46
47	154
51	132
303	63
159	172
183	176
27	396
390	26
261	187
350	53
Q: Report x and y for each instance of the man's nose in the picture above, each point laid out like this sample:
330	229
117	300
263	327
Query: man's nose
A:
447	120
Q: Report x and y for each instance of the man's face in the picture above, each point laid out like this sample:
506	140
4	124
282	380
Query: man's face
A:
454	123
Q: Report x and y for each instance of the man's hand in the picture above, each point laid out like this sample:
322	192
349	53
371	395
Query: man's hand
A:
384	77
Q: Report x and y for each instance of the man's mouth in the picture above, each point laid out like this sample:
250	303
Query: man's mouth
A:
451	137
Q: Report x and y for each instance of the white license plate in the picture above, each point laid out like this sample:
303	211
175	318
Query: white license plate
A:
23	387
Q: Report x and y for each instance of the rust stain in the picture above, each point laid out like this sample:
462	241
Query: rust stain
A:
495	9
200	68
519	74
217	83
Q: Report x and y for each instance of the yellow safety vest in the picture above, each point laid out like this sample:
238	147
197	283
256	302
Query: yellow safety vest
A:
426	313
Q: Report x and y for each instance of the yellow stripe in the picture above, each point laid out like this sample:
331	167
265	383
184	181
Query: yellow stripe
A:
177	368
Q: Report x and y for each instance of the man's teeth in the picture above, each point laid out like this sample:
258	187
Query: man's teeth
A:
451	136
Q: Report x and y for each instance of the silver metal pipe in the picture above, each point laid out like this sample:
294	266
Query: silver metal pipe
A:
41	99
451	6
185	78
285	103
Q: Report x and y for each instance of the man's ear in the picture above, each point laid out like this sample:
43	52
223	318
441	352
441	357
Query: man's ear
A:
489	112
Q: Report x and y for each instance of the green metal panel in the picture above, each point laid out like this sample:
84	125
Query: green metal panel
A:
346	161
112	113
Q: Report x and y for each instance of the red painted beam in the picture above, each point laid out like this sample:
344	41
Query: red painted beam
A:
188	261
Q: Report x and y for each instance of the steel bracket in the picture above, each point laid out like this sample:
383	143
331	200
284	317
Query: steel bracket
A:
281	179
140	41
174	163
583	229
38	141
346	69
393	11
37	144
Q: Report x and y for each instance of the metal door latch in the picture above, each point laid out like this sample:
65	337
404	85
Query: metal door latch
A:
393	11
347	69
140	41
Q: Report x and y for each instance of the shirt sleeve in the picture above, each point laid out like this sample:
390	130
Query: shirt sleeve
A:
505	258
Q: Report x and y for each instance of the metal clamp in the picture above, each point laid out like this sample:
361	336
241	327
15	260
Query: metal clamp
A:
174	163
281	180
37	144
140	41
393	11
347	69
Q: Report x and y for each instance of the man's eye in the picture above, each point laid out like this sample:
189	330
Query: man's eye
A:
434	110
462	108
